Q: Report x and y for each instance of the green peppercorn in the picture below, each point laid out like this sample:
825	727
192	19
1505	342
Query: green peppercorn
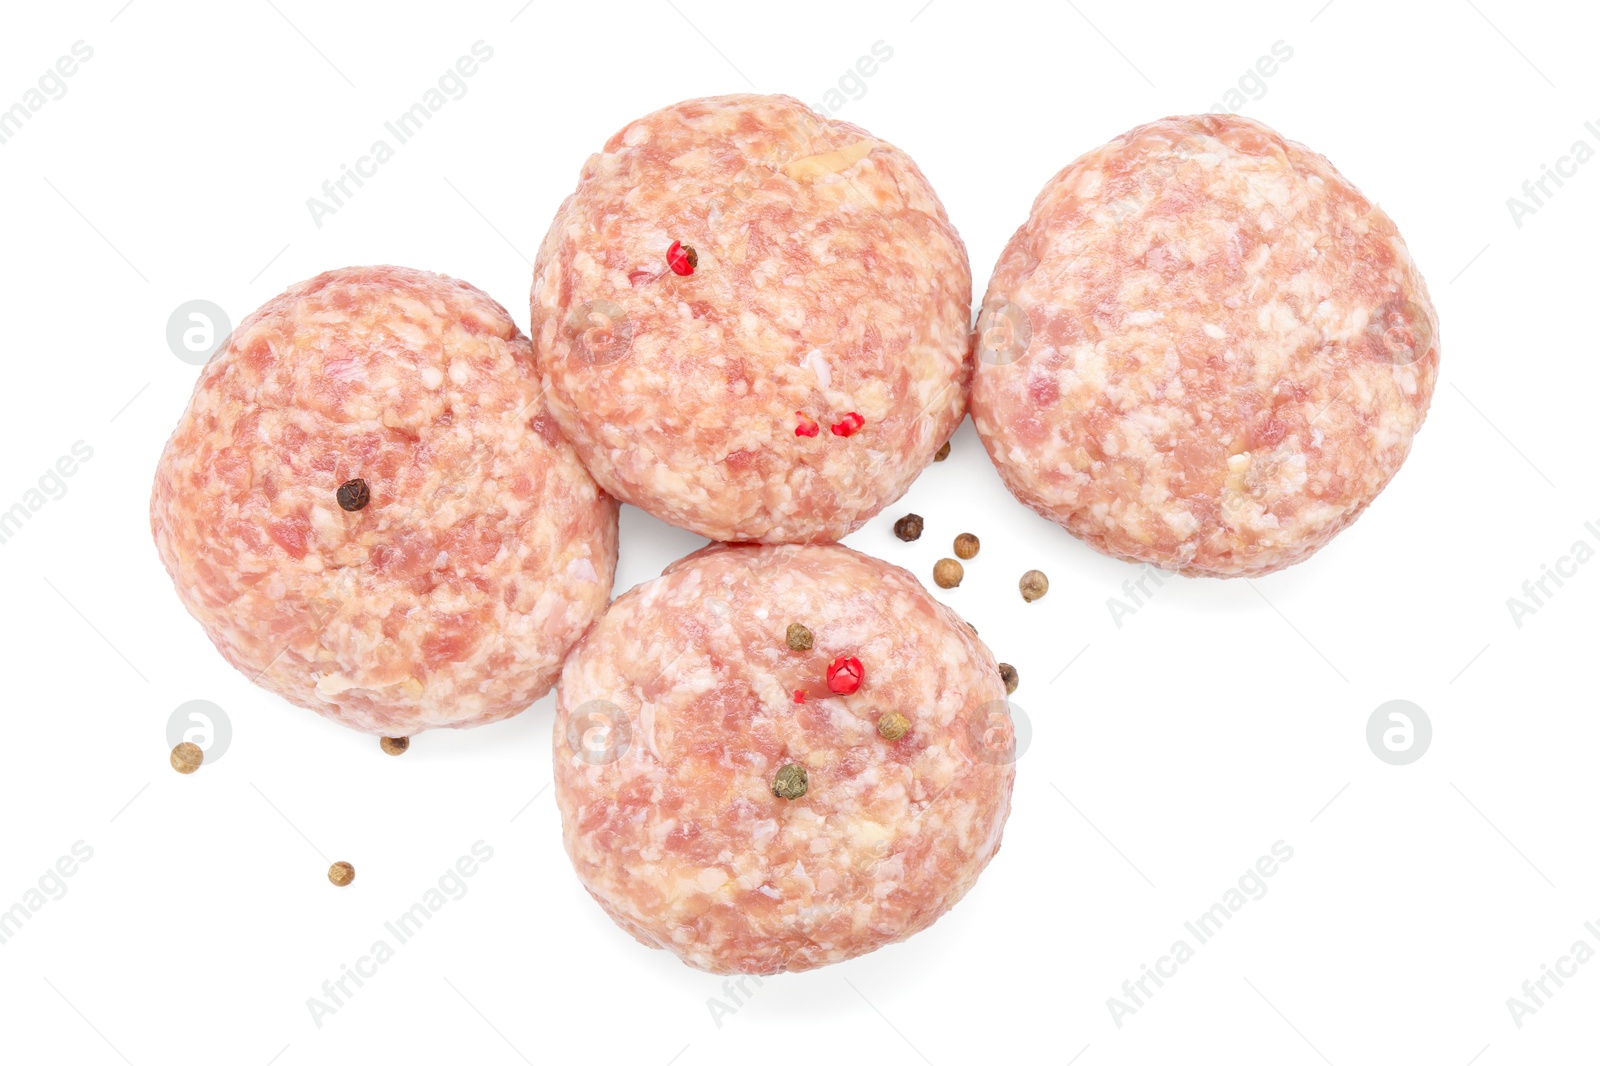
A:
799	637
893	725
791	782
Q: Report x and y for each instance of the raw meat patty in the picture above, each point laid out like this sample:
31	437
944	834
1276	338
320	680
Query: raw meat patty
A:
485	552
829	287
678	708
1204	350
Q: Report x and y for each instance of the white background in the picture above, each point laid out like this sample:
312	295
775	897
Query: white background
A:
1168	753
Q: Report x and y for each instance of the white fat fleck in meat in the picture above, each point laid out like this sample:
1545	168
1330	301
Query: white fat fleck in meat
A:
818	363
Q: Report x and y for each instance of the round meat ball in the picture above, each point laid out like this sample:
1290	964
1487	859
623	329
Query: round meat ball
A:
683	711
482	552
1204	350
812	361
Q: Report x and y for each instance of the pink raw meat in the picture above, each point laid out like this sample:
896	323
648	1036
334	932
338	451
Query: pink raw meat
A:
1204	350
678	708
485	552
830	297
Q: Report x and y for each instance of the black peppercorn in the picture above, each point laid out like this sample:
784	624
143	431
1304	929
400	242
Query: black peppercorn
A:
909	528
354	494
1008	675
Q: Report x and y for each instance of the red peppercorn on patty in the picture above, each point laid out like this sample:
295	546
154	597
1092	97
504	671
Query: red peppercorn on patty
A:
713	815
753	320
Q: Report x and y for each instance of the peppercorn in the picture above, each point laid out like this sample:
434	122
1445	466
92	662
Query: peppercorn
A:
791	782
848	425
845	674
395	745
947	573
1008	674
1033	585
806	426
186	758
682	259
341	873
909	528
354	494
966	546
943	453
799	637
893	725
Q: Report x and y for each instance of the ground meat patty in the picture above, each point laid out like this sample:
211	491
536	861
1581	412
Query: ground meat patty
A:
483	554
678	709
1204	349
806	371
